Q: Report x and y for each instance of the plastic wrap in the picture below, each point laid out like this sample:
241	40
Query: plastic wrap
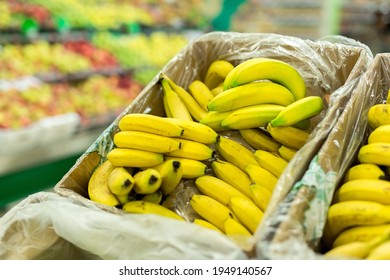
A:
328	66
295	230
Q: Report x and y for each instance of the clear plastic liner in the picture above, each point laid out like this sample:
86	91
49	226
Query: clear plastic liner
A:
66	224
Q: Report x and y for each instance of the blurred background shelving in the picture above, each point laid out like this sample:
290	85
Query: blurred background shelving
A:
69	67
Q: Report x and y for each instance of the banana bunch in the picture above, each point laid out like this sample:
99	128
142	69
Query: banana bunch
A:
358	222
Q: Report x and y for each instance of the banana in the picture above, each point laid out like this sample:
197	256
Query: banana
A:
364	189
267	69
196	111
206	224
380	134
303	124
167	111
259	139
147	181
146	207
123	199
155	197
145	141
299	110
247	212
261	196
364	171
175	105
191	168
251	94
232	175
213	119
357	249
287	153
289	136
211	210
150	123
216	73
197	132
217	90
378	115
343	215
261	176
388	97
134	158
360	233
375	153
120	181
98	189
271	162
193	150
235	153
233	227
251	116
217	189
171	172
381	252
201	93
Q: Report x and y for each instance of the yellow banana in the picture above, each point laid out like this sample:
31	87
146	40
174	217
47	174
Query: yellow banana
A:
261	196
171	172
193	150
196	111
217	90
388	97
364	171
217	189
206	224
289	136
380	134
197	132
287	153
360	233
120	181
235	153
251	94
364	189
123	199
167	111
98	189
147	181
145	141
201	93
259	139
375	153
271	162
211	210
217	72
134	158
150	123
378	115
267	69
299	110
261	176
247	212
213	119
146	207
252	116
191	168
233	227
232	175
357	249
380	252
343	215
175	105
155	197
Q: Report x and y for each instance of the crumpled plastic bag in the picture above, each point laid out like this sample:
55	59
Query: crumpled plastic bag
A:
68	225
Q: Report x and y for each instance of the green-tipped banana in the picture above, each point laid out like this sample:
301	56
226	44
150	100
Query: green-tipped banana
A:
213	119
251	94
147	181
145	207
252	116
299	110
267	69
217	72
175	105
145	141
259	139
197	132
171	172
134	158
201	93
193	150
191	168
120	181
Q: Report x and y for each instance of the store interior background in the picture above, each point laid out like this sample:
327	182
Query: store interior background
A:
52	110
